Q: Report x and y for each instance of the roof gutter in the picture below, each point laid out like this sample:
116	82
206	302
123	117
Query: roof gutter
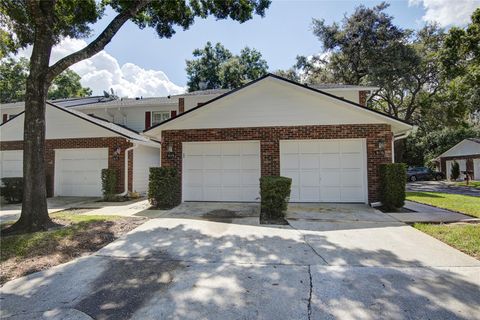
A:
125	184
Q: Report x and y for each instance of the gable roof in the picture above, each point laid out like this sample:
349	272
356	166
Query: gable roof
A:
270	75
105	124
466	147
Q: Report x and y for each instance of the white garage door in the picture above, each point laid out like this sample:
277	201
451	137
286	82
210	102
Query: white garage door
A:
325	170
476	169
462	164
78	171
221	171
11	163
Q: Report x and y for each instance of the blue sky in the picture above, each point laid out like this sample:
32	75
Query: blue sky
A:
280	36
138	63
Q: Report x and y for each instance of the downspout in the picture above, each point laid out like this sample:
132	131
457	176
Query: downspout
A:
125	188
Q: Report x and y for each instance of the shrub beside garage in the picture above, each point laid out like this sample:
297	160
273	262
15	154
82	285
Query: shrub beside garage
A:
393	178
274	194
109	184
12	189
164	188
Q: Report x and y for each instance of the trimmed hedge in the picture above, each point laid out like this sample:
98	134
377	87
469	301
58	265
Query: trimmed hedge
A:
455	171
109	184
274	193
164	188
12	189
393	178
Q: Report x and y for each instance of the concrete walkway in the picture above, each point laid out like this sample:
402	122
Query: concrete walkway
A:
329	263
425	213
11	212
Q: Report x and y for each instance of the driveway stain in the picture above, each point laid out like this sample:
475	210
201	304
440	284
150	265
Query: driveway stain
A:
125	286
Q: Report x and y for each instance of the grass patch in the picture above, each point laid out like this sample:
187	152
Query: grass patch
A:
464	237
455	202
472	184
76	235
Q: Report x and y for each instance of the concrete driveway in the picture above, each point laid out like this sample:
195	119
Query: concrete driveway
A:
331	262
442	186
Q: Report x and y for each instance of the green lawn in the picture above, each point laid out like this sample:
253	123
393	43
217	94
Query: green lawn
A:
464	237
465	204
473	184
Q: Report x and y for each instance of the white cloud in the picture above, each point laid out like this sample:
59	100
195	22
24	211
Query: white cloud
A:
102	72
447	12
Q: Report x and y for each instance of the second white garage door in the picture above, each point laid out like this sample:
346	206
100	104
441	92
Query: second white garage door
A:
325	170
78	171
221	171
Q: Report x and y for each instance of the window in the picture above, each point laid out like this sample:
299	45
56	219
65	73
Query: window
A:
10	116
159	116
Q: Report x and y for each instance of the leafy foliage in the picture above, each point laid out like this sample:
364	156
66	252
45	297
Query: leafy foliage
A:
109	184
12	189
164	187
216	67
455	171
13	80
274	194
393	177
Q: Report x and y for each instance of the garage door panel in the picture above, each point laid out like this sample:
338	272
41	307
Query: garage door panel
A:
310	178
211	162
310	193
250	162
330	160
231	162
78	171
336	169
227	171
307	147
11	163
351	160
290	161
309	161
327	146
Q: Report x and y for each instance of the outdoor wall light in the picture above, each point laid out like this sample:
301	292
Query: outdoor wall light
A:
381	144
116	153
170	153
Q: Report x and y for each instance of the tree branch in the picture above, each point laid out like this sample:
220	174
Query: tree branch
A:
99	43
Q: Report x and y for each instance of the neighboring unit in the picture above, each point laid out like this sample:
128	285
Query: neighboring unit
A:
466	153
331	147
78	147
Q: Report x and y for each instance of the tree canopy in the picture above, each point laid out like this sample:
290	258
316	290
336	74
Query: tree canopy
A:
215	67
13	79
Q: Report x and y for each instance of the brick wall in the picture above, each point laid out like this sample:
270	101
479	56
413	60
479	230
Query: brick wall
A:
269	138
111	143
362	97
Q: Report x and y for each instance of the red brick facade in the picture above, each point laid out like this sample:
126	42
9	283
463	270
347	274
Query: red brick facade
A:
362	97
111	143
269	138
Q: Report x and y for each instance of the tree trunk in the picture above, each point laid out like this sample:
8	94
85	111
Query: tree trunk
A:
34	214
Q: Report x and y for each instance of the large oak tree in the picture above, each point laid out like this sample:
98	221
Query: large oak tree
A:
44	23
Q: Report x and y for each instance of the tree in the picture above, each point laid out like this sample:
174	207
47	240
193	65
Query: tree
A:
216	68
455	171
43	24
13	79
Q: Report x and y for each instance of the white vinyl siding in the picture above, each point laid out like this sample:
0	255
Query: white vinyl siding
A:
78	171
331	170
143	159
221	171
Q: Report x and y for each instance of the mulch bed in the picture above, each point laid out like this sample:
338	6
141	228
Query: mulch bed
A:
53	252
